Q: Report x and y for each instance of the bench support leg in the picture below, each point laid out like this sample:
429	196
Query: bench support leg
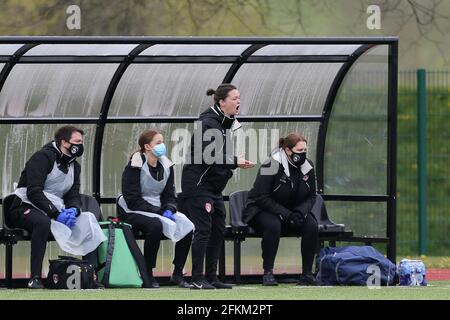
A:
222	272
237	260
8	264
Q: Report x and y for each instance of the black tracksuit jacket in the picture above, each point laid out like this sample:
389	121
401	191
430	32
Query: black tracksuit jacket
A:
279	194
209	179
35	173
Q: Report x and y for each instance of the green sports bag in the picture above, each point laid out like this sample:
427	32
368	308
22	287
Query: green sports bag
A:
121	263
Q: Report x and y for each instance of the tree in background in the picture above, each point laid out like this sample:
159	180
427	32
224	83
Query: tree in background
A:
423	25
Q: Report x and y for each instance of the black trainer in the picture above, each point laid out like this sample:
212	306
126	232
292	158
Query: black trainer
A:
97	285
35	283
179	280
153	283
219	284
202	284
269	279
307	280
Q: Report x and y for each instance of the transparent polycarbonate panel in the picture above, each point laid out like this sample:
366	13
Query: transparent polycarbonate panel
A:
55	90
20	141
357	135
81	50
288	259
120	141
363	218
108	210
194	50
166	89
9	49
254	140
164	261
284	88
306	49
21	259
381	52
1	66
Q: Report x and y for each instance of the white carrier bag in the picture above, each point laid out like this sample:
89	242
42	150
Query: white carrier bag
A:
174	230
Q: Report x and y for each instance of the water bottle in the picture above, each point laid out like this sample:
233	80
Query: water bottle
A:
412	273
413	281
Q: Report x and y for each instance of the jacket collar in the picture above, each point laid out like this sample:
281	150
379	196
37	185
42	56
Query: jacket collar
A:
226	121
279	155
62	156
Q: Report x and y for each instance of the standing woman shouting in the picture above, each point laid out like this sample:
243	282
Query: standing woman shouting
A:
203	181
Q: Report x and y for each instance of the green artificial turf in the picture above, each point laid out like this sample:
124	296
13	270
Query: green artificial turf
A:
436	290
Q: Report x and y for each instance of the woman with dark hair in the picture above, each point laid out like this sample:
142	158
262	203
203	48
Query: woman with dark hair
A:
149	204
281	200
204	179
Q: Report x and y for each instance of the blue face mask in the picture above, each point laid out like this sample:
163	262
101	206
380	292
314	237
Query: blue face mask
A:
159	150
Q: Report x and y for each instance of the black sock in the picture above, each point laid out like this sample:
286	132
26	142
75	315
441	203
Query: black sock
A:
266	271
178	271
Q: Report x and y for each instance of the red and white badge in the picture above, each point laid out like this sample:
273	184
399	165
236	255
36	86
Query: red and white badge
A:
305	177
208	207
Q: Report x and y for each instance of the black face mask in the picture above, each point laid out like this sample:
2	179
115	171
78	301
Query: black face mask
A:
76	150
298	158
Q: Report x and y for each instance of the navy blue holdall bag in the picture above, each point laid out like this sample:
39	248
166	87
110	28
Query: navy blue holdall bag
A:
353	265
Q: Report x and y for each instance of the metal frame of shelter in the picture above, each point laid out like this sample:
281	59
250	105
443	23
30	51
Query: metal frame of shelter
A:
246	57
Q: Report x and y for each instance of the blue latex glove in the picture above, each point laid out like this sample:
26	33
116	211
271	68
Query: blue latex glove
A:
71	221
73	217
168	214
67	217
63	216
75	211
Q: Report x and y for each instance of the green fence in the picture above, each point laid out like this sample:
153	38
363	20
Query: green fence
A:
435	190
